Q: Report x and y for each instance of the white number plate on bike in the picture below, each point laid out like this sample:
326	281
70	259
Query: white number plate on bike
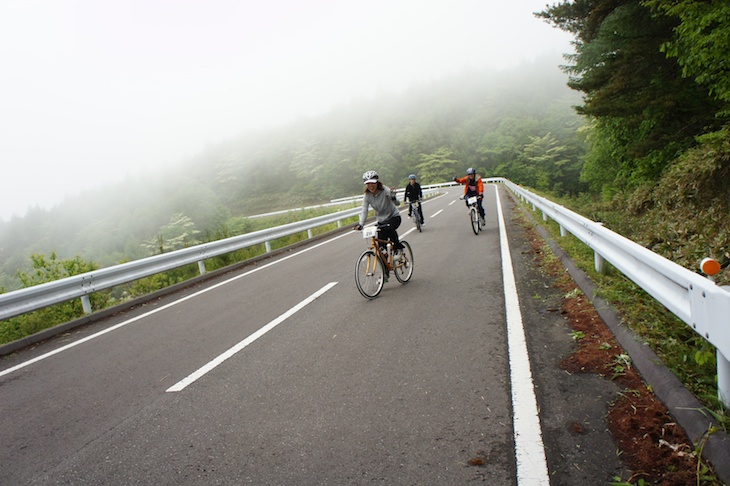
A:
370	232
472	200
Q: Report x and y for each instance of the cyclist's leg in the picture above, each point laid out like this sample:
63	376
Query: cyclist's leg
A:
389	231
420	211
481	208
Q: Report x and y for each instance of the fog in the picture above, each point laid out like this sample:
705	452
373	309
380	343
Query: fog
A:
91	91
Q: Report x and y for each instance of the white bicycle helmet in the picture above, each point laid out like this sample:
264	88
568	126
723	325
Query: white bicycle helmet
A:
370	176
470	171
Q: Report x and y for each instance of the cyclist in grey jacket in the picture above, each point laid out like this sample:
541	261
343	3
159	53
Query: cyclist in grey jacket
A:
382	199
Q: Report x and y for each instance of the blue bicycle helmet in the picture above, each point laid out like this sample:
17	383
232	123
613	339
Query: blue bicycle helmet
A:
412	176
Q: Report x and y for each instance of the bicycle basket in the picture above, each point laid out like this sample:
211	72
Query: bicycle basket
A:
370	232
472	200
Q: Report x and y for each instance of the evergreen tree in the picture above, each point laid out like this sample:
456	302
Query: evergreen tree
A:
645	113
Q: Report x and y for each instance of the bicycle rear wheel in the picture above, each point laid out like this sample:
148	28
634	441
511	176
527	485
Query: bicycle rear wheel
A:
404	269
417	218
475	225
369	274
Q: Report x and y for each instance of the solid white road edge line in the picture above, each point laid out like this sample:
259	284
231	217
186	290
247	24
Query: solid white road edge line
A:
166	306
180	385
529	448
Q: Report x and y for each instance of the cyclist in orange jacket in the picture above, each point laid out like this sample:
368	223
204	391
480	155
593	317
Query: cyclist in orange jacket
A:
473	186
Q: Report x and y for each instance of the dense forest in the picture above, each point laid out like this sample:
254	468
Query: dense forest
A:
655	81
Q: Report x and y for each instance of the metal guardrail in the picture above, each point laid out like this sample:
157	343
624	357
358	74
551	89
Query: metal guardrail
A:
694	299
81	286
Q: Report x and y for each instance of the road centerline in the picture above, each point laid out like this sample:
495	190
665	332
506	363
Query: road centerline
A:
211	365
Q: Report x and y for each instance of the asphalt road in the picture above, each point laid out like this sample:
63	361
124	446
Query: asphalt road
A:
283	374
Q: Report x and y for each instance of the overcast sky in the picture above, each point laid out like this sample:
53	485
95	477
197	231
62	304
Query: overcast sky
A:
91	90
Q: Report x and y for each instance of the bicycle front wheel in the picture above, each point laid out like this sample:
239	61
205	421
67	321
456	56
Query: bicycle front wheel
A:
404	269
475	226
369	274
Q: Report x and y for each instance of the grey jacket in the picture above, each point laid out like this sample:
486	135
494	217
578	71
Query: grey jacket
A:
384	203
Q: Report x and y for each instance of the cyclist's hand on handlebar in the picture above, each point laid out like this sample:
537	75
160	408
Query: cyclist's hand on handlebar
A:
357	227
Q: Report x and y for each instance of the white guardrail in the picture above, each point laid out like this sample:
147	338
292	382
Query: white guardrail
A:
81	286
694	299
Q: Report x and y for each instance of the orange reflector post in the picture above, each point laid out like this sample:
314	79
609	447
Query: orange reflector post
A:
710	266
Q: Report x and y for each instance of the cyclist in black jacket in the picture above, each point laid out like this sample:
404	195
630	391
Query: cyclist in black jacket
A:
414	194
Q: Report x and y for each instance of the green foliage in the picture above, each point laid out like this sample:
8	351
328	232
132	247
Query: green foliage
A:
683	216
701	41
544	164
643	112
438	166
50	268
178	233
47	269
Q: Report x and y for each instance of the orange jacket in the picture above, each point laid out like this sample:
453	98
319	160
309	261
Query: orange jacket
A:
477	180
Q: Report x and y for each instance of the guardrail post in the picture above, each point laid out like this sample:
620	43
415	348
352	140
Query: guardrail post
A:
86	304
723	379
544	216
268	246
598	262
563	231
309	234
201	267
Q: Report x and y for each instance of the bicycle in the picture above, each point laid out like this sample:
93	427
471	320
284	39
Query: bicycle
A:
415	210
476	221
375	263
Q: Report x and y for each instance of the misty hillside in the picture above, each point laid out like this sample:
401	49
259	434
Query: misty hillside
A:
436	129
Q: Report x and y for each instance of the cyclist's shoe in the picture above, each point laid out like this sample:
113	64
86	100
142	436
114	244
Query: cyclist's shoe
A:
398	256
